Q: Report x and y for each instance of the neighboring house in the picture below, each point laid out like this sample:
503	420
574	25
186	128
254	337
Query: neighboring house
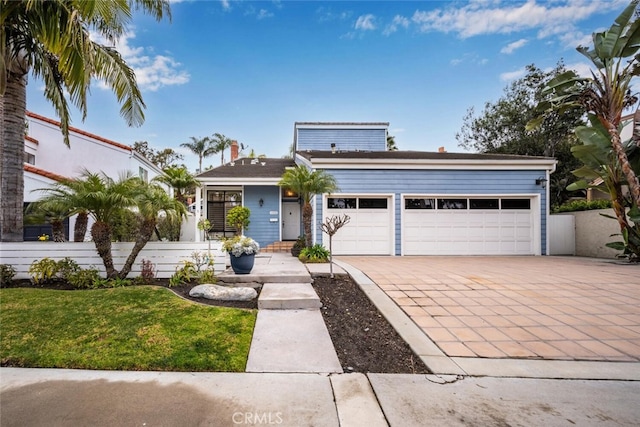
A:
48	159
399	202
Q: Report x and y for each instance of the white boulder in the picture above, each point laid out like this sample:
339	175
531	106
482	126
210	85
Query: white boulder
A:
223	293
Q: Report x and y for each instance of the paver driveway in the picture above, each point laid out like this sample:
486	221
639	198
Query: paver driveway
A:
561	308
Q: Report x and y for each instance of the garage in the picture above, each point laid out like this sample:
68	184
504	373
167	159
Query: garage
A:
370	229
469	225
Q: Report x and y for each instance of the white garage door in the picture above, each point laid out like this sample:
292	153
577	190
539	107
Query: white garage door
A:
468	226
370	229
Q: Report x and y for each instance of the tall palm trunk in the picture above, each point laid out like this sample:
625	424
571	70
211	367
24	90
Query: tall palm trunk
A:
101	234
80	229
307	219
623	160
12	118
144	235
57	229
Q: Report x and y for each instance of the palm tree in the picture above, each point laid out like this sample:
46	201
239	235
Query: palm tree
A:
609	90
391	143
221	143
202	147
50	39
306	184
179	178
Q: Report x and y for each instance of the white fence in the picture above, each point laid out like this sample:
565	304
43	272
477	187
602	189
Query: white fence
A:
589	230
562	235
165	256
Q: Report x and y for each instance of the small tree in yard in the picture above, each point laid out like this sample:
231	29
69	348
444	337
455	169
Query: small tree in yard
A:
331	227
238	218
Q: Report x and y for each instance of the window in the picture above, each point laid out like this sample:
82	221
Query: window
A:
483	204
452	203
516	204
419	203
218	204
143	173
341	203
372	203
29	158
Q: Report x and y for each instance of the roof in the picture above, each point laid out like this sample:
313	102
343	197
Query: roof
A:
54	176
244	168
327	124
412	155
79	131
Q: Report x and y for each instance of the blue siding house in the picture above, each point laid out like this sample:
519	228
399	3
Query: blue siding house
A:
399	202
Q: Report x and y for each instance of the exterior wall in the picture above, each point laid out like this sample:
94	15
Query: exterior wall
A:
400	182
84	152
593	232
345	139
265	220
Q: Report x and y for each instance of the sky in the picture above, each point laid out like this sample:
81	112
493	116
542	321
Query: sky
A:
250	69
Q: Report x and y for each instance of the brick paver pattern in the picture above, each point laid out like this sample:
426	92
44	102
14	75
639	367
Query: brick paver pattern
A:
561	308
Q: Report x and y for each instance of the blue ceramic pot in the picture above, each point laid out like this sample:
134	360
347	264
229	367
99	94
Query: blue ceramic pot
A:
242	264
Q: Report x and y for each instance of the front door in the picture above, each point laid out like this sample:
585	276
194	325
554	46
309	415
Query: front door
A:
290	220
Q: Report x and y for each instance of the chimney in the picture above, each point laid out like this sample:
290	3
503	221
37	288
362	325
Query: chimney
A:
441	150
234	151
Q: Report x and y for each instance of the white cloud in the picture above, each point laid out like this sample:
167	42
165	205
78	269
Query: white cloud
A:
494	17
264	14
152	71
513	75
398	21
512	47
226	4
366	22
582	68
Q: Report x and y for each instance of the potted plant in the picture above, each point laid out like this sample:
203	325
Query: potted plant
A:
242	251
238	218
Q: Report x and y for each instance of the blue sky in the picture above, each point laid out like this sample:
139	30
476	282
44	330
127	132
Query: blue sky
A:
250	69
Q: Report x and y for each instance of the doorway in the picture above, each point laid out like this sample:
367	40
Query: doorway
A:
290	220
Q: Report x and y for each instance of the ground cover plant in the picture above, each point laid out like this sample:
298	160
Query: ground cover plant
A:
130	328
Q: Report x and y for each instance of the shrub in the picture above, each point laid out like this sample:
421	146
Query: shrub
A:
125	226
183	275
583	205
66	268
85	279
316	253
298	246
238	218
147	274
43	271
169	228
7	272
240	245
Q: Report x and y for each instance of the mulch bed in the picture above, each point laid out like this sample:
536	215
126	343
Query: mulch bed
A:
363	338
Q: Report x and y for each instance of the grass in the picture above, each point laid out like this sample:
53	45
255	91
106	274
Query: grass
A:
134	328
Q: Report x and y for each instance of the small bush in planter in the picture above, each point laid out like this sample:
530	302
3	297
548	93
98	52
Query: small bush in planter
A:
238	218
240	245
298	246
315	254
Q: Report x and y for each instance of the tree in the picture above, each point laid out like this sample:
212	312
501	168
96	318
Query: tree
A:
391	143
202	147
50	39
179	178
501	128
221	143
161	158
306	184
608	92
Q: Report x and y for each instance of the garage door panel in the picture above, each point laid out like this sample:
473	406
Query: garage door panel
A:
368	232
467	231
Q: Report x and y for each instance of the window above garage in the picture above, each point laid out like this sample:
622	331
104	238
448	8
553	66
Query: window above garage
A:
471	203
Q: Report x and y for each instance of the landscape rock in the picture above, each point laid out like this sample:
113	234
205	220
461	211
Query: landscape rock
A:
223	293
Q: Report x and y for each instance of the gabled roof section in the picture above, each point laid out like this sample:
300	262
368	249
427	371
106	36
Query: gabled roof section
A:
267	168
79	131
54	176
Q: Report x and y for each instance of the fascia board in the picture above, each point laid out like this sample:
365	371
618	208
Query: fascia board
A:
239	181
342	126
434	164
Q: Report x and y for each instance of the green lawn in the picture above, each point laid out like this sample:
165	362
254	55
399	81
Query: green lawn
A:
134	328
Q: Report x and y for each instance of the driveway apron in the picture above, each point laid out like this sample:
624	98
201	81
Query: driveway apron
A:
550	308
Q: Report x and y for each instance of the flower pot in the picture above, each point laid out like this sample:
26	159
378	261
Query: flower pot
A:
242	264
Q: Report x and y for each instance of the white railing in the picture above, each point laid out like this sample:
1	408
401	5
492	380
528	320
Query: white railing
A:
165	256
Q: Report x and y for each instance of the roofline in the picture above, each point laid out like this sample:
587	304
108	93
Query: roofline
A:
364	163
238	181
31	139
79	131
341	125
54	176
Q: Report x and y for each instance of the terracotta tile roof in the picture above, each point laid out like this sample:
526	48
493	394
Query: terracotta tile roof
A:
30	139
42	172
243	168
79	131
411	155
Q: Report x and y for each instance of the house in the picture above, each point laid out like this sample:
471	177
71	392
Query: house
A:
399	202
48	160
